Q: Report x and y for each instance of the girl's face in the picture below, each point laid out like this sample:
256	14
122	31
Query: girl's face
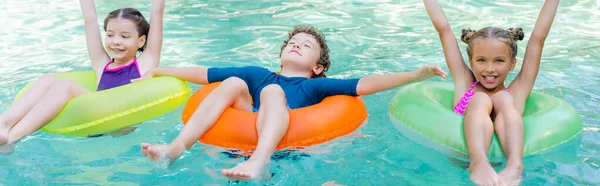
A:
491	62
122	41
302	51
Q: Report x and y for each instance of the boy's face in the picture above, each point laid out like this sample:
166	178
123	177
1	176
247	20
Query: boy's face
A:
302	51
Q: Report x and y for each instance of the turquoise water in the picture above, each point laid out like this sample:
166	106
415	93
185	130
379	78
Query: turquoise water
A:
366	38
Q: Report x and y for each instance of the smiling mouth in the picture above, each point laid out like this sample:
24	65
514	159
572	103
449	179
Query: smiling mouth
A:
489	79
295	52
117	50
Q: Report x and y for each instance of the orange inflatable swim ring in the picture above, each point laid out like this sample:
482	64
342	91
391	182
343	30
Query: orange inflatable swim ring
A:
333	117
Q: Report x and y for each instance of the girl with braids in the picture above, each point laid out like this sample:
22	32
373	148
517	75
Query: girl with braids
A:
480	94
115	64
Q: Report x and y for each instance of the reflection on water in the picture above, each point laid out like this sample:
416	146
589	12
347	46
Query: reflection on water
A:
366	38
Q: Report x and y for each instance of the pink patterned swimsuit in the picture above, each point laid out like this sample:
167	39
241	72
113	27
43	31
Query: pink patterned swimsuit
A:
464	101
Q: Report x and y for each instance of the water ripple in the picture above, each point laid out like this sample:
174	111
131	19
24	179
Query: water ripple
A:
365	37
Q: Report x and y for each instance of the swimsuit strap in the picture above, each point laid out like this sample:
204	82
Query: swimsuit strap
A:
473	85
464	101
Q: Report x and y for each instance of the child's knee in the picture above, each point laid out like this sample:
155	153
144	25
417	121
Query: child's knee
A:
502	100
480	98
272	91
480	102
66	85
234	86
235	82
47	79
62	83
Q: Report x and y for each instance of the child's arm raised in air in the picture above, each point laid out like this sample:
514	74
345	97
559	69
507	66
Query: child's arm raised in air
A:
196	75
377	83
151	54
93	39
461	74
523	83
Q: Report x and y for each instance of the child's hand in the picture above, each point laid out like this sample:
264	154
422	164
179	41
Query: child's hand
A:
148	75
429	71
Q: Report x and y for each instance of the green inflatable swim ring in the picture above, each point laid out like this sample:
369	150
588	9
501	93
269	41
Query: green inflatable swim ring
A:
108	110
423	113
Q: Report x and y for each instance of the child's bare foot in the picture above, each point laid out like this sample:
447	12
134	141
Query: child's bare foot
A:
248	170
482	173
511	175
162	153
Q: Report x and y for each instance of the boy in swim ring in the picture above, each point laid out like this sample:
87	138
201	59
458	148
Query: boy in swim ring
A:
480	93
115	64
304	59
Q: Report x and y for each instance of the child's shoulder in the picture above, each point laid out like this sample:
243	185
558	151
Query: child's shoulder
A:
318	80
244	68
254	68
256	71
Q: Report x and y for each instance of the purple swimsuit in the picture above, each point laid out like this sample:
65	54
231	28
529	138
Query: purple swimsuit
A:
123	75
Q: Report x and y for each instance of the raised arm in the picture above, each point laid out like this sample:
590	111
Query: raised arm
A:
151	54
523	83
95	47
461	74
377	83
196	75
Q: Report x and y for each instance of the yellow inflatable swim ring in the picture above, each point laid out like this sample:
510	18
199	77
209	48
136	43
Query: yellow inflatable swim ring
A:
108	110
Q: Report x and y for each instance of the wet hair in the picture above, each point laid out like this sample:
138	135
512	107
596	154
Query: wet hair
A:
509	36
133	15
320	37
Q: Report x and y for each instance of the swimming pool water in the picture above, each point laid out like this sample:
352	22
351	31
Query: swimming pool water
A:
366	38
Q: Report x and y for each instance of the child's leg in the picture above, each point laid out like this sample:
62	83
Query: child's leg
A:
231	92
478	133
272	124
16	111
509	129
49	105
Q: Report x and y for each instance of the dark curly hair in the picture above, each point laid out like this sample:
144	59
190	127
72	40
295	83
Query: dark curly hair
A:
311	30
509	36
132	14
